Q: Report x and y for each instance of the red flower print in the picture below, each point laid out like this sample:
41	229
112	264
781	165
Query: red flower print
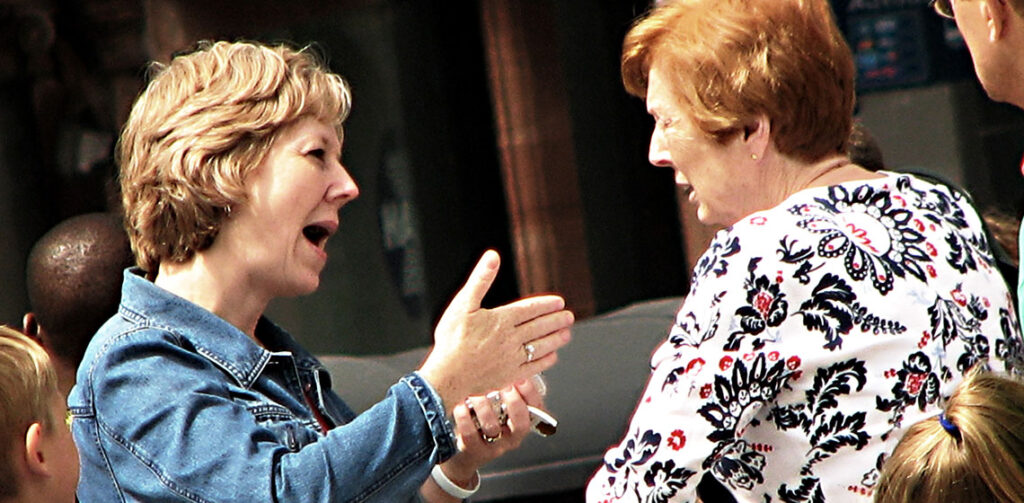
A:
705	391
763	302
793	362
725	363
677	440
914	382
959	297
696	363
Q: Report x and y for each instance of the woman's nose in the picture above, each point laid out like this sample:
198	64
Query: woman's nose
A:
657	154
344	188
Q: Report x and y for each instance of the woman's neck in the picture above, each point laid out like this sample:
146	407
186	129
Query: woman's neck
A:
219	289
831	170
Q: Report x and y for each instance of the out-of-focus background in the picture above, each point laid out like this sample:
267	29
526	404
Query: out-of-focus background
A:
476	124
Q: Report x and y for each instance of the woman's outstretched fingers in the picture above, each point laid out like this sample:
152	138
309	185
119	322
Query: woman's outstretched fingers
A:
557	323
478	349
549	323
539	349
468	298
524	310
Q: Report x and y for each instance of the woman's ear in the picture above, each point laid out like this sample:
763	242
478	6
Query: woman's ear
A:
756	136
35	460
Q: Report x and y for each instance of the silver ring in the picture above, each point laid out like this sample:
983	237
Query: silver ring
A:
476	422
472	414
529	352
498	406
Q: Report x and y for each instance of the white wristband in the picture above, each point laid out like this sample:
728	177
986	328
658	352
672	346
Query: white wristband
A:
450	487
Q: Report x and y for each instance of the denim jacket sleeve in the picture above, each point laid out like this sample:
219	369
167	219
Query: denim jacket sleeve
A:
156	421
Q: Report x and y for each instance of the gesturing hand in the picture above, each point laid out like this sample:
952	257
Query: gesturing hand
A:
477	350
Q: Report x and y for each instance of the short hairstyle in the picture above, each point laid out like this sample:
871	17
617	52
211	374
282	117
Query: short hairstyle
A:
73	277
202	124
28	384
978	456
730	61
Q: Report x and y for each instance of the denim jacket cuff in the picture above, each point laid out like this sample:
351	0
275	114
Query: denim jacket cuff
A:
433	411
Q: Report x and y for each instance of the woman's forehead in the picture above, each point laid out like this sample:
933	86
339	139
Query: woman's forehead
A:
310	127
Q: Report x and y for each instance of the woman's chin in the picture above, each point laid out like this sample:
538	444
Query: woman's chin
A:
713	220
704	215
310	285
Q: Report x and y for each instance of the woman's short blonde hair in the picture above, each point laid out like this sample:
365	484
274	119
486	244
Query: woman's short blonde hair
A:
732	61
28	384
978	456
202	124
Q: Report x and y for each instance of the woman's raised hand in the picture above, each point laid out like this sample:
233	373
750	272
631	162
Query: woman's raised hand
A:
477	350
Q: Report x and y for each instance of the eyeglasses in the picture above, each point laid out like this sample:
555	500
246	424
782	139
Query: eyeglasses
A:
943	8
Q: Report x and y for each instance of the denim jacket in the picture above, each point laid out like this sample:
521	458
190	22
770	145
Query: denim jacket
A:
175	404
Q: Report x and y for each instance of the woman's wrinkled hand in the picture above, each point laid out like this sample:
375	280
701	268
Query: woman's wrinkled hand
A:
477	349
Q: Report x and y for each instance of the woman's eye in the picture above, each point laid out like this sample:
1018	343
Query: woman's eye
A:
319	153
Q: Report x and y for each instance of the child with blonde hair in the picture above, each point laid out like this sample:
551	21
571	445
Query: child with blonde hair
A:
38	459
972	452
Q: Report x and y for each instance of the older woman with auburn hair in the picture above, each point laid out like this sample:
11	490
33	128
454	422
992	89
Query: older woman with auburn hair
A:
836	306
232	182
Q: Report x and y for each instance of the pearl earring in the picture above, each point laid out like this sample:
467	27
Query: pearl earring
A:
753	157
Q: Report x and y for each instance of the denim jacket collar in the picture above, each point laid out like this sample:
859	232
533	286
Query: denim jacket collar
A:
233	351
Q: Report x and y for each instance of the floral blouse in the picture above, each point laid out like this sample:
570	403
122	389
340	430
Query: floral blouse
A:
813	334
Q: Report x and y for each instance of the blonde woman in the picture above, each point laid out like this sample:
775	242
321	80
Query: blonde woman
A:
972	451
232	184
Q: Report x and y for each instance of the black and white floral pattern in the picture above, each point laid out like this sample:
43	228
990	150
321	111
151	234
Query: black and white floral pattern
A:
814	333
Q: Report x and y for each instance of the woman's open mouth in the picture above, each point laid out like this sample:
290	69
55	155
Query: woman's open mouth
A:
316	234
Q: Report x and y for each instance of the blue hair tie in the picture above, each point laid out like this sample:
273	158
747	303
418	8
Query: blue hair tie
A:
949	426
